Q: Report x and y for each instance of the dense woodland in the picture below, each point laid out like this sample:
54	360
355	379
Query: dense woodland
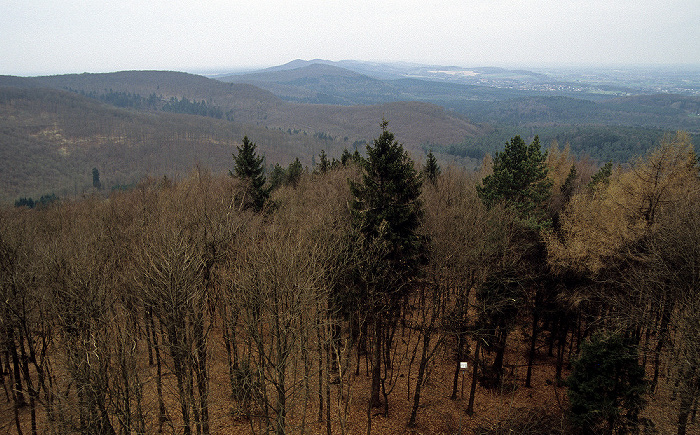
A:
342	298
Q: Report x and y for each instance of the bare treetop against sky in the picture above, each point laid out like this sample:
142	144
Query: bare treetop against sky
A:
66	36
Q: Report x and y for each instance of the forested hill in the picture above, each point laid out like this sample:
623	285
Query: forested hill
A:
52	138
414	123
244	102
484	95
200	119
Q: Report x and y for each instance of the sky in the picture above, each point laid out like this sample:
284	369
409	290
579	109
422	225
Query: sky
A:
39	37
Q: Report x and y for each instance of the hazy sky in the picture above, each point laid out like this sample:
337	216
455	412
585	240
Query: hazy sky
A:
68	36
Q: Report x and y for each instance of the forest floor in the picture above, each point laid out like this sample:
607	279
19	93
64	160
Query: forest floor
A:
532	410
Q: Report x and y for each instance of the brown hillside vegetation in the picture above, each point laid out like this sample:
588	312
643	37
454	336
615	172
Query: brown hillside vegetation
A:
51	139
169	308
415	123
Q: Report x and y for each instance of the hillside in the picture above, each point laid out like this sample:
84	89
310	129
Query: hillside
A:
321	84
51	139
249	104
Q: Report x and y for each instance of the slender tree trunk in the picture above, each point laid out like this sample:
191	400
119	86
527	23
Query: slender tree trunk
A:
561	345
320	374
159	379
201	372
181	376
2	379
475	374
28	382
663	333
329	358
455	379
497	367
16	407
533	344
148	321
10	345
375	400
421	374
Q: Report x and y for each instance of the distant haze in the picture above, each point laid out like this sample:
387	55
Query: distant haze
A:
67	36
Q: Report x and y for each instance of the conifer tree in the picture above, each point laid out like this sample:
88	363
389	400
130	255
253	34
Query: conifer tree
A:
294	172
386	210
432	169
324	165
249	168
606	380
520	180
96	179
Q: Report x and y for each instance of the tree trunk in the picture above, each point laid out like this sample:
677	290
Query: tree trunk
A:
375	400
455	380
320	374
421	374
533	345
663	334
475	373
497	367
159	379
561	345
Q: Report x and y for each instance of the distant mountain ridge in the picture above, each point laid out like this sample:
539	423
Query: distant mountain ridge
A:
483	95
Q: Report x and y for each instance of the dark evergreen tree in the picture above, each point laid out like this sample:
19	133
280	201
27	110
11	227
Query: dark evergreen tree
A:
432	169
602	177
520	180
249	168
324	165
25	202
606	380
278	176
567	188
386	210
96	179
294	172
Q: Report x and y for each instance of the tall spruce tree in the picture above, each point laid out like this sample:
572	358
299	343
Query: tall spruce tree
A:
520	180
432	169
249	168
386	210
96	179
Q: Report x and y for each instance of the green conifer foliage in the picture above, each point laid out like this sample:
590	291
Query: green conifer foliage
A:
249	168
432	169
294	172
520	180
386	204
606	380
386	211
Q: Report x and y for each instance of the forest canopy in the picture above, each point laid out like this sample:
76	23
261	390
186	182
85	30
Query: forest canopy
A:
175	306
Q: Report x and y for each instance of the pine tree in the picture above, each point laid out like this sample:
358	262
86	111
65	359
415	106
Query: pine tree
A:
249	168
324	165
294	172
386	210
96	179
386	204
606	379
432	169
520	180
